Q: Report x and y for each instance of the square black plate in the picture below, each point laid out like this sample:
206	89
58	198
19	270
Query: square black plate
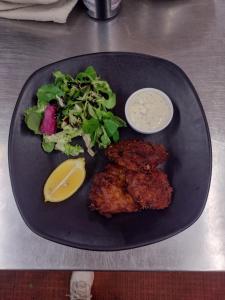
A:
186	138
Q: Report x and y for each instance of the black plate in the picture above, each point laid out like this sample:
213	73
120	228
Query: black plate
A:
186	138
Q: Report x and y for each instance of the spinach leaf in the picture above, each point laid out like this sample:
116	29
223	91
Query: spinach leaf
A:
90	71
46	93
110	126
33	117
116	136
104	140
90	126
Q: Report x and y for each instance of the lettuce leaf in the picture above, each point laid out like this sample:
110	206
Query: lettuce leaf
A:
32	118
62	141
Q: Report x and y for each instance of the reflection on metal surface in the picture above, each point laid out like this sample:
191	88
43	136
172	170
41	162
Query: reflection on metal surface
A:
169	21
3	175
176	24
215	220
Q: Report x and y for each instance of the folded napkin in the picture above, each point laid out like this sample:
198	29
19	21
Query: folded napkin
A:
37	10
31	1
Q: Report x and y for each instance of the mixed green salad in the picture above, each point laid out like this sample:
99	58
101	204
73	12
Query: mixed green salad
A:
71	107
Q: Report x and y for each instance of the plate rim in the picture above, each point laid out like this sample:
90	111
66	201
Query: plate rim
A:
107	248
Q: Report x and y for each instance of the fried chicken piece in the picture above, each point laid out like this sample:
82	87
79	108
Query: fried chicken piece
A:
137	155
149	190
133	182
117	173
108	193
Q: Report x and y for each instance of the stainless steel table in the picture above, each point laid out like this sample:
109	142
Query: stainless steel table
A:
191	34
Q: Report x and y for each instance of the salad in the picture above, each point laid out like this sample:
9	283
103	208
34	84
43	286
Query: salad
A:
71	107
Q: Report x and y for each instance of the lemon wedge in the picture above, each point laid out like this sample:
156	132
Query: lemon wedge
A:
65	180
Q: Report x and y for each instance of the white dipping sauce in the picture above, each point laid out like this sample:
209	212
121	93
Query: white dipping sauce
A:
149	110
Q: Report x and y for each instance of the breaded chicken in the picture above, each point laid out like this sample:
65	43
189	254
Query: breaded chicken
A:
108	194
137	155
149	190
133	182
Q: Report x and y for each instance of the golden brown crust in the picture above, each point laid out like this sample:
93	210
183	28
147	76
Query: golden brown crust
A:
137	155
133	182
149	190
108	193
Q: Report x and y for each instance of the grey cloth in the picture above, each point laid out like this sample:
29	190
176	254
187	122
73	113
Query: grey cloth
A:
8	6
37	10
31	1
